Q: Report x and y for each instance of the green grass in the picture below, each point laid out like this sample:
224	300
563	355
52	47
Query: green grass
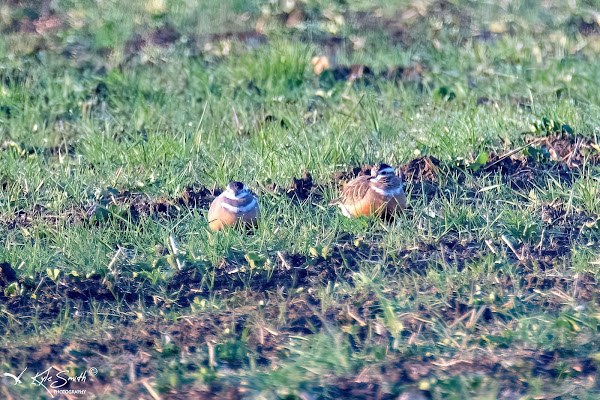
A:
485	288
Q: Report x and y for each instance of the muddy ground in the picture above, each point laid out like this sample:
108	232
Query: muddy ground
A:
150	339
130	350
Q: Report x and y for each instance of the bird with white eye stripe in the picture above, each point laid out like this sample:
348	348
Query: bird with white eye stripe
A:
380	194
235	206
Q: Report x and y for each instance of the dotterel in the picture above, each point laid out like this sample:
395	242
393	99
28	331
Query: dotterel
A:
381	193
235	206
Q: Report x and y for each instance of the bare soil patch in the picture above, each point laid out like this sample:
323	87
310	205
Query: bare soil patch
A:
563	226
132	354
123	205
162	36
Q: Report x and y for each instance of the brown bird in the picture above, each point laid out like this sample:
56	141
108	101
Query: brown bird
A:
380	194
235	206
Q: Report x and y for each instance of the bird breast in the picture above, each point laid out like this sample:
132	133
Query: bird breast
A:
225	211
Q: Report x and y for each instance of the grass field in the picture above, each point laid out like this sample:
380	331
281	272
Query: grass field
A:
121	120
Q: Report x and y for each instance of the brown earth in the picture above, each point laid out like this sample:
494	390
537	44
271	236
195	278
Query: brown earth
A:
129	352
134	350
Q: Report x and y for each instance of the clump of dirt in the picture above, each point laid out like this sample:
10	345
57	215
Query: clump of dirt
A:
137	204
272	119
288	261
350	73
38	212
140	204
571	149
563	225
422	168
33	17
135	44
127	206
122	205
557	156
67	150
522	173
93	288
407	27
484	101
235	273
557	213
165	35
487	36
5	111
198	196
302	188
7	274
586	25
364	73
162	36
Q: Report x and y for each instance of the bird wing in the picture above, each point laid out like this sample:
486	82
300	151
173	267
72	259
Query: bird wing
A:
355	190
